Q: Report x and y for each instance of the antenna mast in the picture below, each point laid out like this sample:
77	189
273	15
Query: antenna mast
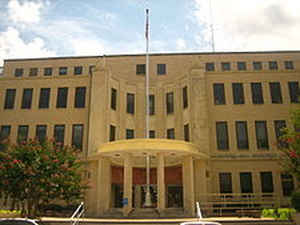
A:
212	27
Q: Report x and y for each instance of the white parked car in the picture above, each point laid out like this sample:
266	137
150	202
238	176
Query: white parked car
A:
18	221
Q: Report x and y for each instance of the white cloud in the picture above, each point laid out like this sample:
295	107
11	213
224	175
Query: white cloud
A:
25	12
249	25
13	46
180	44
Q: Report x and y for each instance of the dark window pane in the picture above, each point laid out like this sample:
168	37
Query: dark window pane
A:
48	71
44	98
62	97
225	66
77	70
27	98
246	182
129	133
151	104
279	125
242	134
185	97
140	69
273	65
112	133
257	93
287	184
59	134
275	92
241	66
222	135
294	91
19	72
210	66
261	135
170	102
186	132
257	65
171	133
22	133
63	70
238	93
161	69
5	132
113	101
130	103
80	97
266	180
219	94
41	132
225	183
151	133
10	98
77	136
33	72
289	65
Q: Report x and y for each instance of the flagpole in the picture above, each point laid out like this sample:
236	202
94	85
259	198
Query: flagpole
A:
148	202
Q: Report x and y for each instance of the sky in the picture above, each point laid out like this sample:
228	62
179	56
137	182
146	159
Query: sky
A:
50	28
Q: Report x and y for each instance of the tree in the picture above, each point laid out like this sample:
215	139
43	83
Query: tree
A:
34	174
290	159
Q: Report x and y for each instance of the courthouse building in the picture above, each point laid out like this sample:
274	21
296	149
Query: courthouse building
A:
215	119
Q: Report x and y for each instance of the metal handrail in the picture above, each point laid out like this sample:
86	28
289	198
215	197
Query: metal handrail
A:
77	214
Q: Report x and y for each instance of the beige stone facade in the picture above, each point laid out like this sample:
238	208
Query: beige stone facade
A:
214	119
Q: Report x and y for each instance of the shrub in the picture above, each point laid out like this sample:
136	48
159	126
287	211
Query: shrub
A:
280	213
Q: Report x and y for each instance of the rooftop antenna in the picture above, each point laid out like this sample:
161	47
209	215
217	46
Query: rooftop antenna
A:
211	27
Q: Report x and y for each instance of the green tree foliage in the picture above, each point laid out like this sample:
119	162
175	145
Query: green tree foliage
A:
34	174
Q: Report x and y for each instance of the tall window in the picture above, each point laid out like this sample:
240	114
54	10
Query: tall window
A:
225	66
151	104
59	134
161	69
44	98
275	92
27	98
129	133
170	102
63	70
47	71
112	133
185	97
41	132
62	97
241	134
273	65
113	100
287	184
33	72
77	70
140	69
257	65
238	93
222	135
130	103
257	93
5	132
22	133
80	97
77	136
10	96
151	133
246	182
186	132
219	94
266	180
278	126
19	72
171	133
210	66
225	182
261	135
241	66
294	91
288	65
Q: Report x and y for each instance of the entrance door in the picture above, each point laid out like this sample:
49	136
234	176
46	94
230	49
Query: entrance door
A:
175	196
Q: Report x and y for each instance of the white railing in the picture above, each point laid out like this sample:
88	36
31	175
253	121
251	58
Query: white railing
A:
77	214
